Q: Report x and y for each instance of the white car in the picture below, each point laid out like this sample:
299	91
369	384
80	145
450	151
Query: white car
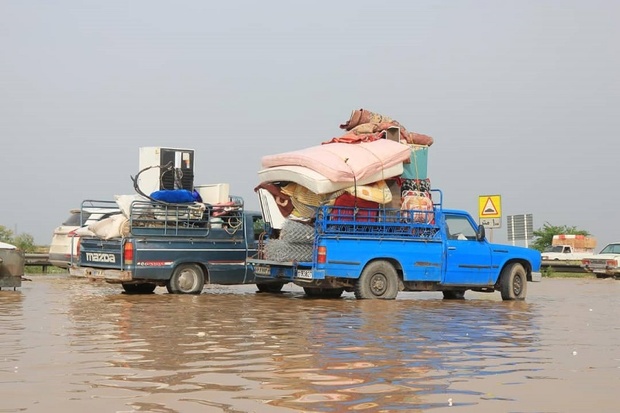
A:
63	249
606	263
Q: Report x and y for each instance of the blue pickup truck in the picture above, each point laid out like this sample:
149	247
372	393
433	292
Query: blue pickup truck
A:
377	253
179	246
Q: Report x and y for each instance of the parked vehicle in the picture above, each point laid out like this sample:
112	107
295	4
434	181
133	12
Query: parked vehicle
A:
606	263
12	264
63	248
564	253
179	246
375	253
569	247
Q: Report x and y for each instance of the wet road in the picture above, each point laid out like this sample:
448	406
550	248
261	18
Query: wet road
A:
77	346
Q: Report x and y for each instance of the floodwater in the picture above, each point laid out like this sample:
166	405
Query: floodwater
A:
78	346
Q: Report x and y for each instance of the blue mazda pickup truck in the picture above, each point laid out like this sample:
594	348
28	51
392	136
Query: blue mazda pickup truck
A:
179	246
377	253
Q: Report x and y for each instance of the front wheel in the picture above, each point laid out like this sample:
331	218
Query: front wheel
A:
143	288
513	283
378	280
315	292
186	279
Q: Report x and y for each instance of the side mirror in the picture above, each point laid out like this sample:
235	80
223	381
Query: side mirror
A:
480	234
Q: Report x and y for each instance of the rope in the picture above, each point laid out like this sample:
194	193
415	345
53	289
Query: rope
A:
136	186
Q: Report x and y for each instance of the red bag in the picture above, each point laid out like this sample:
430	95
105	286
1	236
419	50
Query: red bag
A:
361	213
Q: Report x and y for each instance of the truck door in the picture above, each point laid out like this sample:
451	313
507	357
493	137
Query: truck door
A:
468	261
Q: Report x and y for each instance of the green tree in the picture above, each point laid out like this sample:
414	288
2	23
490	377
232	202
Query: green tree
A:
544	235
24	242
6	235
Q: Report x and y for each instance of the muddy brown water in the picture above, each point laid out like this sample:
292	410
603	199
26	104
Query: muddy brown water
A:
70	345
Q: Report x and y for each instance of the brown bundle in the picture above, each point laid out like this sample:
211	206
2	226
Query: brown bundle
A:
364	122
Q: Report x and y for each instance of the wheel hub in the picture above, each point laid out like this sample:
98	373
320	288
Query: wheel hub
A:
378	284
186	281
517	285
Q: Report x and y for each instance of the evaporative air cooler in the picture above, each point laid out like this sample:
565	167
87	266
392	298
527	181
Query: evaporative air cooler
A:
168	168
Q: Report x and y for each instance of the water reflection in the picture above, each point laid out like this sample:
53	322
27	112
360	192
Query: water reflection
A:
11	328
239	351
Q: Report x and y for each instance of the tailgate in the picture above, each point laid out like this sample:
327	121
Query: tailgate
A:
100	253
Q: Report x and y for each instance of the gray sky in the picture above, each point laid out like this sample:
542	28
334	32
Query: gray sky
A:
521	97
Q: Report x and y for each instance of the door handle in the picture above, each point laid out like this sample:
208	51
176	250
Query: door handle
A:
451	248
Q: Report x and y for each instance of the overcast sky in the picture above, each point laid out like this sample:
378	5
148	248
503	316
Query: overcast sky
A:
521	97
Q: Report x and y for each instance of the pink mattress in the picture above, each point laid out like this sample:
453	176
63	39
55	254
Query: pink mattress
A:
342	162
320	184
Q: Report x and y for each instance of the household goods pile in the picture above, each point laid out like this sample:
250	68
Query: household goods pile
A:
377	162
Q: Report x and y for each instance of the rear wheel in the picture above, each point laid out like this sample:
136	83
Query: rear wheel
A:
316	292
378	280
454	295
143	288
513	283
269	287
186	279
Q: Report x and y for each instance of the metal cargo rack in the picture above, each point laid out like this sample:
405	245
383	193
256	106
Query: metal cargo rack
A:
187	219
354	221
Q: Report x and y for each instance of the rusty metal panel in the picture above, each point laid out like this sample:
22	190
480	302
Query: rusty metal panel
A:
12	262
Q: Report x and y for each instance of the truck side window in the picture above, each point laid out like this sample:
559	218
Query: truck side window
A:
459	228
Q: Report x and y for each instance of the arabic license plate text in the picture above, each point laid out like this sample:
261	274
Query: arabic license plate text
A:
307	274
262	270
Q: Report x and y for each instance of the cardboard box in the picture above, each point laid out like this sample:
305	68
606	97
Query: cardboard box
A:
578	242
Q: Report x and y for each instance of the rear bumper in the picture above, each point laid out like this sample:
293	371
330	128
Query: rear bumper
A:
603	270
109	275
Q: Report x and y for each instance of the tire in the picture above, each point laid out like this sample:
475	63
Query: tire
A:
513	283
315	292
186	279
143	288
454	295
269	287
378	280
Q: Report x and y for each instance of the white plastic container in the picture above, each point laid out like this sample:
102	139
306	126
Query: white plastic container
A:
214	193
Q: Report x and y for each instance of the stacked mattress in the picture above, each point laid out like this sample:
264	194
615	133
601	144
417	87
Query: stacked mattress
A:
348	171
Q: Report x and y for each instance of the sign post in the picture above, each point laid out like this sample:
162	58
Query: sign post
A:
520	227
490	212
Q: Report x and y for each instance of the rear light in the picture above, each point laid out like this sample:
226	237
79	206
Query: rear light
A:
128	253
612	263
585	262
322	256
72	234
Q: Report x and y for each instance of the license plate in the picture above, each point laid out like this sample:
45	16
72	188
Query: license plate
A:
307	274
262	270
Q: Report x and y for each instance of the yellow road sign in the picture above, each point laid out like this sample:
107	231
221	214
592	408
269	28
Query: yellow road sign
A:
490	206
